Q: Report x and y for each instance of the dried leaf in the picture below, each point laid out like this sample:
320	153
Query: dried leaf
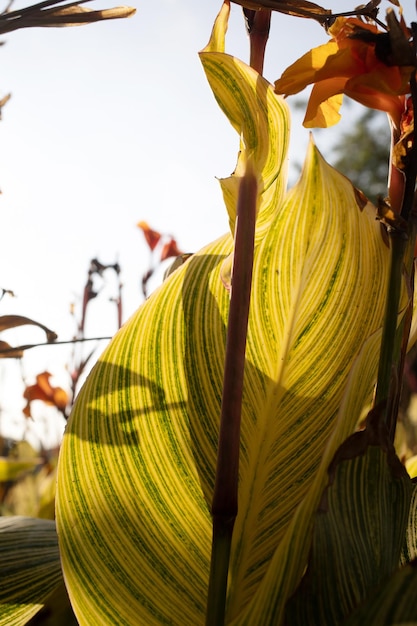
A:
152	236
170	249
4	100
46	14
43	390
297	8
13	321
8	352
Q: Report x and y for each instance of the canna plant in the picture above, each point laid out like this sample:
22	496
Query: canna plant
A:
231	459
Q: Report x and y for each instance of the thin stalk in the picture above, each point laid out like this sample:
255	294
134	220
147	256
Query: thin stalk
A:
9	351
389	331
404	334
225	503
225	496
395	339
306	9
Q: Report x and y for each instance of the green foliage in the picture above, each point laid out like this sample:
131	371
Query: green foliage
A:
362	153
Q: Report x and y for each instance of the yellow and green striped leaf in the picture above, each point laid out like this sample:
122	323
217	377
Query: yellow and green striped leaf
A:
260	118
288	562
30	568
137	464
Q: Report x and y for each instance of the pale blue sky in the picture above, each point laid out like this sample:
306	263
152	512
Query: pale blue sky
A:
110	124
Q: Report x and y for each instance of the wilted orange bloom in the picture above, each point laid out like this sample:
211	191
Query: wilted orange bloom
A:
348	64
43	390
152	236
170	249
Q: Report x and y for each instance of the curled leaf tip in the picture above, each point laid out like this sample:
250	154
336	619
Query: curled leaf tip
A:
47	14
361	199
218	34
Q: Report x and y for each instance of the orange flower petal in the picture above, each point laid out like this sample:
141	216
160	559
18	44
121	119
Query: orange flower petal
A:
347	65
304	71
393	105
170	249
60	398
344	27
44	391
324	104
35	392
152	236
42	380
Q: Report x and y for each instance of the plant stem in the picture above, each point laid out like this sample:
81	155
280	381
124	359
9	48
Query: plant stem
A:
258	24
224	504
219	569
398	243
394	340
225	495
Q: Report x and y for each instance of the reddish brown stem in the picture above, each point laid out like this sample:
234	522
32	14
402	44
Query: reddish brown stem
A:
225	496
225	491
258	24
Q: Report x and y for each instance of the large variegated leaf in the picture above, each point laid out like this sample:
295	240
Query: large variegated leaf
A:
30	568
137	464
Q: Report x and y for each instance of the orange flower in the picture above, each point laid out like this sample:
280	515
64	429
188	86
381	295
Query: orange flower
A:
152	236
44	391
170	249
350	64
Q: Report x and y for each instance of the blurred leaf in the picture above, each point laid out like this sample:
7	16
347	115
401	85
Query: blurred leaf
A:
170	249
48	14
152	237
47	489
411	465
2	103
8	352
22	450
44	391
13	321
11	469
30	568
362	153
3	291
33	493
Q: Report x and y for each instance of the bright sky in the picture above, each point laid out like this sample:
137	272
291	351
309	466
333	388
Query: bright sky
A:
110	124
